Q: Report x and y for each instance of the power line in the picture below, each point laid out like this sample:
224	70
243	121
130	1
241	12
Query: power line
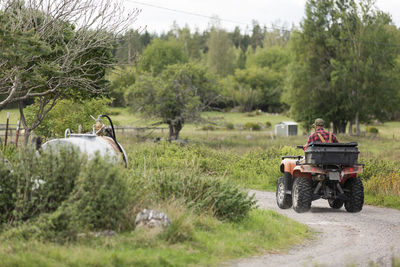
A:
186	12
201	15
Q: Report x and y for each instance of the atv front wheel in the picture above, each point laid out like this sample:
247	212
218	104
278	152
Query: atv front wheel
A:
283	200
355	195
302	195
335	203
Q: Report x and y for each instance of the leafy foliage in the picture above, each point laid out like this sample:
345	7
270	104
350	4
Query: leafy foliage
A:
121	79
68	114
37	184
178	95
160	54
222	198
220	57
338	72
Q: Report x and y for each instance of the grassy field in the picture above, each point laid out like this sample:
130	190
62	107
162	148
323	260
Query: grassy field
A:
241	145
246	158
213	242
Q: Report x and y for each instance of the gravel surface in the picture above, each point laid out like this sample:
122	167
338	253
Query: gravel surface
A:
343	239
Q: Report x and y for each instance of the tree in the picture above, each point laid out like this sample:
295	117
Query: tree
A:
257	36
342	64
51	50
130	46
371	48
263	85
161	53
178	95
121	79
309	92
220	56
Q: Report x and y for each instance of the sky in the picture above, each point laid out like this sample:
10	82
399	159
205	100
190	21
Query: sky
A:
158	17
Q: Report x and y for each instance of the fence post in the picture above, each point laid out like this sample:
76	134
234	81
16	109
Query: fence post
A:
17	134
5	138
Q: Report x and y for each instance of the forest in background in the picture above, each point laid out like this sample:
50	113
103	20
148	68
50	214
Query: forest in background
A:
341	64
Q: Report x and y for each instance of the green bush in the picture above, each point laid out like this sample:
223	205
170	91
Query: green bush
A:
374	167
268	124
224	199
98	200
252	126
39	183
58	193
229	126
372	130
8	186
180	229
100	195
208	127
68	114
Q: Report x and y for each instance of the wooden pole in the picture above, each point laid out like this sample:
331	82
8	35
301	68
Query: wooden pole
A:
5	138
17	135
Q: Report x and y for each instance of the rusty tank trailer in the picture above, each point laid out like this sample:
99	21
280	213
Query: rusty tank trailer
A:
101	140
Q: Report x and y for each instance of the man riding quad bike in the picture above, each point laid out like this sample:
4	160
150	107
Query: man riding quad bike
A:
328	171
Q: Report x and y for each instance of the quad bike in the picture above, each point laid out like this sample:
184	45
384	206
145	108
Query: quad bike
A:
328	171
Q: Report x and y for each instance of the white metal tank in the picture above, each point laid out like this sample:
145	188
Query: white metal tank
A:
91	144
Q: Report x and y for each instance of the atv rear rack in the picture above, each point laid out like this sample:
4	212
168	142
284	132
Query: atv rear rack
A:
292	157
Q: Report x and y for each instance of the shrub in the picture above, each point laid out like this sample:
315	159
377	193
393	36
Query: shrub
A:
374	167
252	126
208	127
268	124
222	198
97	201
250	114
41	183
229	126
8	187
100	195
182	222
388	185
372	130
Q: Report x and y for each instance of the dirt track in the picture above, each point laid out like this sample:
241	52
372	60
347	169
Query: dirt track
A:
343	239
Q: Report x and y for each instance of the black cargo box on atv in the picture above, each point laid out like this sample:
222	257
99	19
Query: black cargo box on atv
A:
332	153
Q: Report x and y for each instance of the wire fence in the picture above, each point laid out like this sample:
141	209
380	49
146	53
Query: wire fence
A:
11	134
138	130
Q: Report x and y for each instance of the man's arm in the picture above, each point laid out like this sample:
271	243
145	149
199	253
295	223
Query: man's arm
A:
309	140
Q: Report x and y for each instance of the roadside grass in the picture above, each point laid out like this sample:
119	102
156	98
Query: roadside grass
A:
381	200
213	242
212	220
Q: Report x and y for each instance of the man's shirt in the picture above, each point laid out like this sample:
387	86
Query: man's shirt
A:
324	134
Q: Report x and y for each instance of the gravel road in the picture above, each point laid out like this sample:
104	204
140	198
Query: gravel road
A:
343	239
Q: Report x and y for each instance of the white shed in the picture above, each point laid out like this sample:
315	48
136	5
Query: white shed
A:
286	128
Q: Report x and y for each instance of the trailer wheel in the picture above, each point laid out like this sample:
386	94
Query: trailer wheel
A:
355	195
302	195
335	203
283	200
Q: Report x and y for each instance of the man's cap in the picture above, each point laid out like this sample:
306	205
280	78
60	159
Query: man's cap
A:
319	122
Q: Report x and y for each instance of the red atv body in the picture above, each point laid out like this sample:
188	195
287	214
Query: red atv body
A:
328	171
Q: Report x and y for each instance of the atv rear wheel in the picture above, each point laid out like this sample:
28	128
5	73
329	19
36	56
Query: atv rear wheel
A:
283	200
335	203
302	195
355	195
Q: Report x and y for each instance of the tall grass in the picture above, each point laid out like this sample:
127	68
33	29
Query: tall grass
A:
254	169
381	180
